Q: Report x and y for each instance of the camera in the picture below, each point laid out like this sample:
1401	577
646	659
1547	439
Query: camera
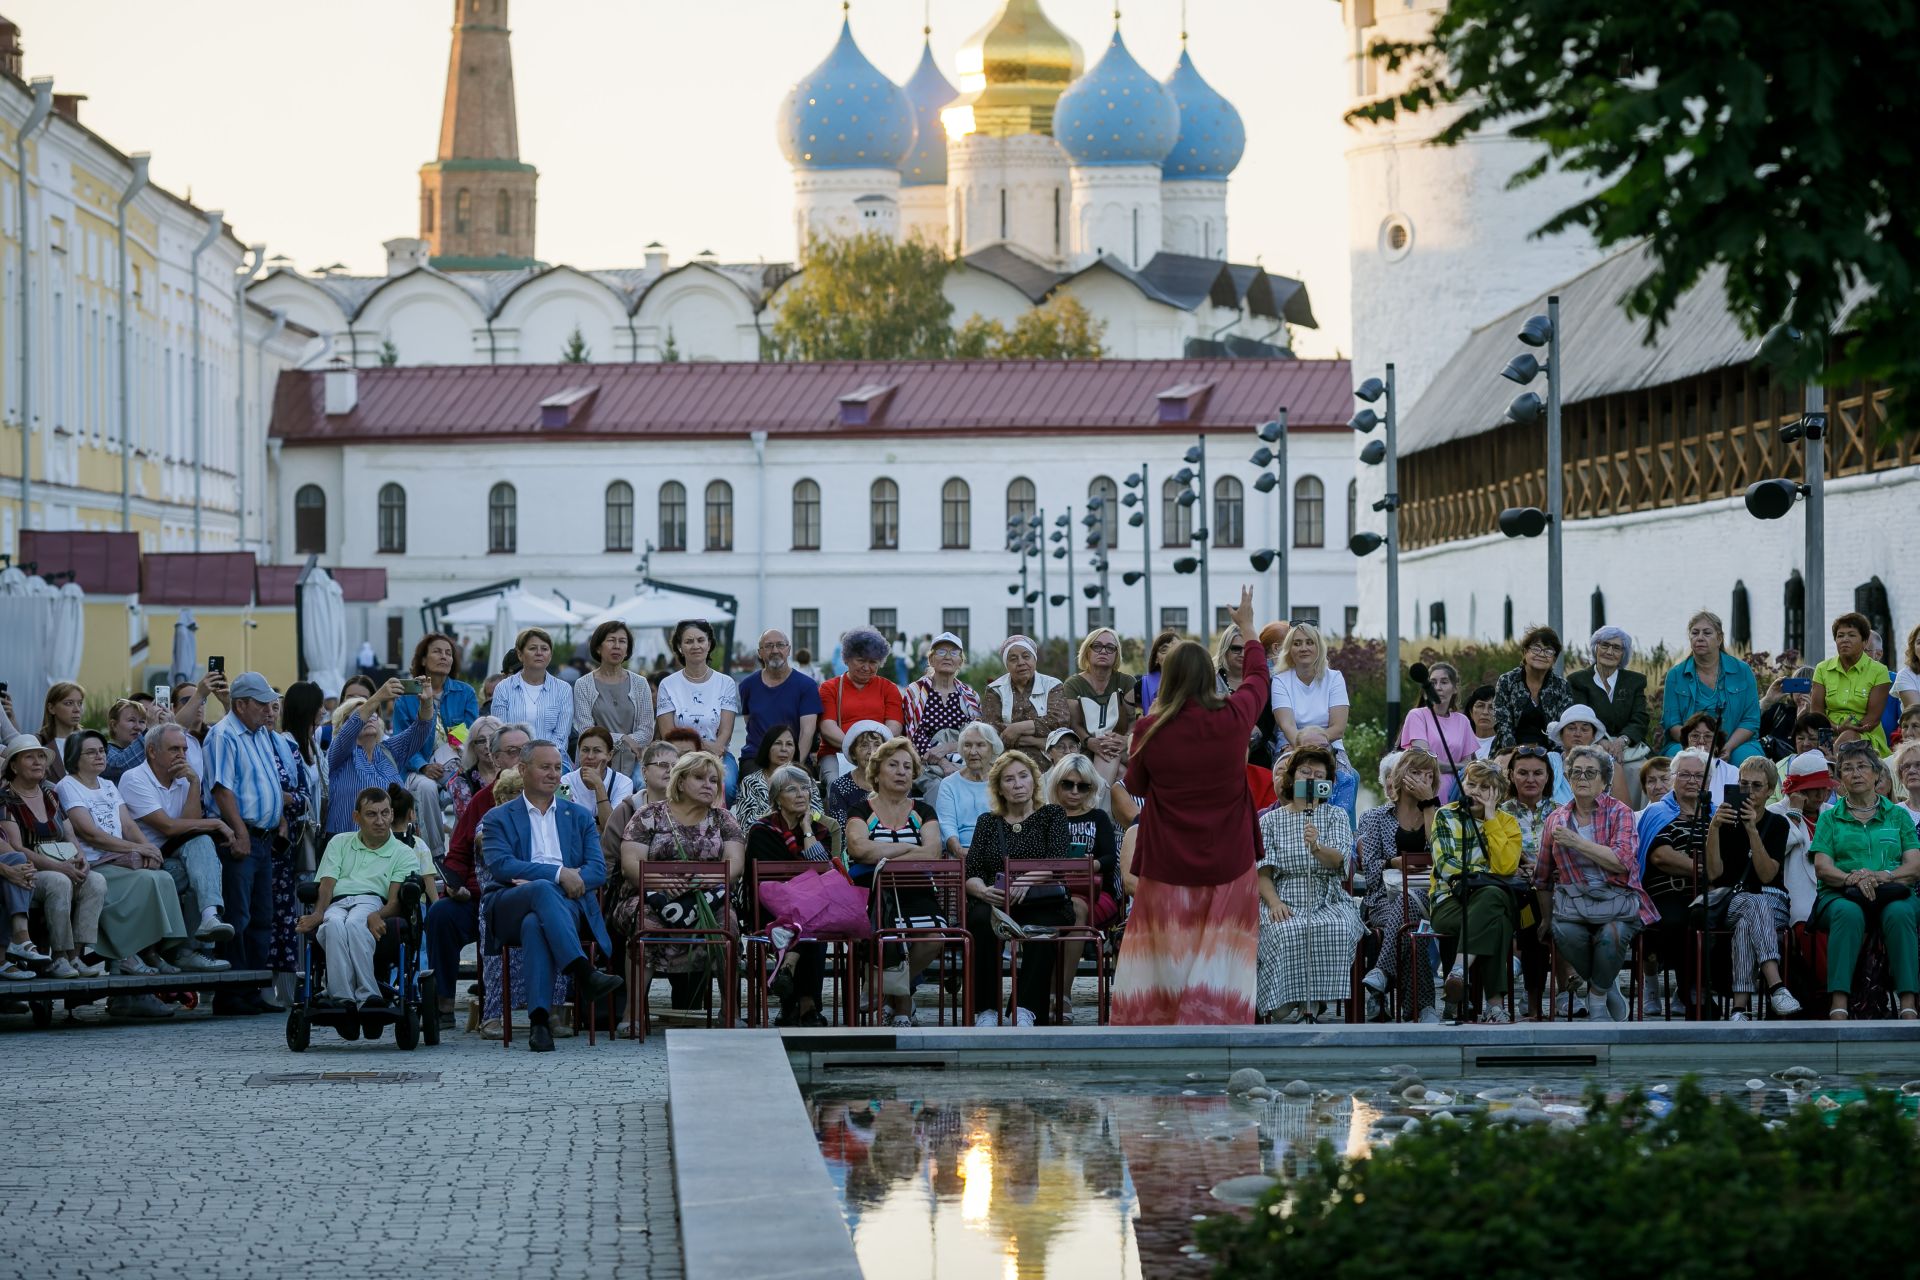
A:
1318	790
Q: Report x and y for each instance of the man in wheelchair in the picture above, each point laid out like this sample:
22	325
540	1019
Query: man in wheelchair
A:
360	880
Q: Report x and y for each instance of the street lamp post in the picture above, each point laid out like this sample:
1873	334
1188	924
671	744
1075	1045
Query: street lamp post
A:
241	279
1203	535
136	183
1274	452
1140	493
1772	499
36	116
1062	535
1361	544
1036	546
216	222
1528	409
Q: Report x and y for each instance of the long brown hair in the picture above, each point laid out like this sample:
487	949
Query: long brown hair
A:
1186	675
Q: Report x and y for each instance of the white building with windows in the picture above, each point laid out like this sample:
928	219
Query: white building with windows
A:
823	495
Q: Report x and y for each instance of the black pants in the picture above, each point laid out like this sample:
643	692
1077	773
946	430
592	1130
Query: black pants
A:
1034	983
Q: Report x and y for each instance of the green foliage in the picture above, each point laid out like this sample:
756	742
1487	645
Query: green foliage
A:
1707	1192
1059	329
670	354
576	350
1724	132
389	354
866	298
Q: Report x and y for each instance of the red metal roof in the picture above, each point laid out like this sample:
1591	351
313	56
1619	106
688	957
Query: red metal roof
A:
275	583
102	563
1009	397
197	578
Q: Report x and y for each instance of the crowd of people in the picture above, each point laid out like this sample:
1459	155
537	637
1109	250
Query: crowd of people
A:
1551	832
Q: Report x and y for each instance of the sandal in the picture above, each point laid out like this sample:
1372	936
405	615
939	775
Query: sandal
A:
1838	1015
1908	1015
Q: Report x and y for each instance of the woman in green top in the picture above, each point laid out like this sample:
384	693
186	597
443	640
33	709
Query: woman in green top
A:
1851	687
1865	851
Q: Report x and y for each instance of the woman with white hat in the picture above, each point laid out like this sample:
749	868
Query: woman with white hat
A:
1577	726
850	787
1025	704
69	893
939	700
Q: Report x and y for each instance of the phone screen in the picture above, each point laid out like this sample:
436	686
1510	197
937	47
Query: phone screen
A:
217	663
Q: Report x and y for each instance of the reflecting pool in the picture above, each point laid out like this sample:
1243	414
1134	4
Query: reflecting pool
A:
1015	1174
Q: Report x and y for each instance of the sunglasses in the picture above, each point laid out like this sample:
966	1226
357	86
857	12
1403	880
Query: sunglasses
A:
1070	784
1236	648
1530	753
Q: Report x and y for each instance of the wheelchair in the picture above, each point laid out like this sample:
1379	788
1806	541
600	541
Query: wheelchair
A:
411	991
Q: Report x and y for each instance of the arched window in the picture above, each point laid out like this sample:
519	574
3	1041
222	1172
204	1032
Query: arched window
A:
1597	609
1437	620
1506	619
956	515
719	516
1796	613
673	516
806	516
426	213
1870	598
1309	512
1103	499
883	501
1176	517
1740	618
1021	500
1353	507
463	210
619	516
393	518
503	520
503	213
310	521
1229	512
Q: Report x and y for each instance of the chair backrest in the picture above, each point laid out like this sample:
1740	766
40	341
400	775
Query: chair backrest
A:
946	877
683	877
1080	875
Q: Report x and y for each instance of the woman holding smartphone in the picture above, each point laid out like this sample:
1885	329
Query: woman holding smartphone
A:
1309	923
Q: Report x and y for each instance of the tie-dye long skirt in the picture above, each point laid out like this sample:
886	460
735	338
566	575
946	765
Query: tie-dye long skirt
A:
1191	955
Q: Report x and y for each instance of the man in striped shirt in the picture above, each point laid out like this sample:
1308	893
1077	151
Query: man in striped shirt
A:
252	776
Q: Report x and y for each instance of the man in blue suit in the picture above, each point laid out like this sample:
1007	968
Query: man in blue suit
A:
542	867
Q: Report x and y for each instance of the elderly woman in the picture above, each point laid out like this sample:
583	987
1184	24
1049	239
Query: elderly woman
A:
850	787
1529	782
890	825
1779	710
1101	707
939	700
454	704
1156	654
1745	860
1309	693
1230	666
690	826
1711	680
1577	726
699	698
615	699
533	695
861	695
1061	743
1533	686
1850	688
596	785
1866	857
792	830
778	748
364	755
1018	827
1439	727
1075	785
963	796
1615	694
1025	705
69	893
1588	883
1385	836
476	769
1476	849
1309	924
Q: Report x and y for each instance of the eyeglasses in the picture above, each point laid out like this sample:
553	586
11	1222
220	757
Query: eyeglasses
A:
1688	775
1582	775
1608	644
1102	646
1541	648
1074	784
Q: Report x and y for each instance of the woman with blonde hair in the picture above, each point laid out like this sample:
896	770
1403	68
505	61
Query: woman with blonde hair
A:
1476	849
1018	826
889	824
1385	836
1099	710
1230	666
1307	693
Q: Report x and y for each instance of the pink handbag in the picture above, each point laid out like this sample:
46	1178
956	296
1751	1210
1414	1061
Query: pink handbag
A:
825	904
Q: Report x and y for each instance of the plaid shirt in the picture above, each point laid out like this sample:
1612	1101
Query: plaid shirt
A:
1457	853
1613	826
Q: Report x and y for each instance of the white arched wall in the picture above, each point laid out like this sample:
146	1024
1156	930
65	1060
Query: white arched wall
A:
305	303
979	293
430	319
1138	328
537	320
709	316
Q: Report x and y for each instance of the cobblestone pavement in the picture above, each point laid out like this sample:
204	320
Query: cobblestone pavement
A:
142	1150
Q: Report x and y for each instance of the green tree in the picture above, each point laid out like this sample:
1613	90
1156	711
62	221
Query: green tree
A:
1059	329
1727	132
866	298
670	354
576	351
389	354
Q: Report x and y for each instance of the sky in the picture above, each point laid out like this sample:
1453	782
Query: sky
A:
648	119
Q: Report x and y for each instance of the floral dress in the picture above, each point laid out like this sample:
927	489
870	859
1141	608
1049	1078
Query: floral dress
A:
666	840
1308	956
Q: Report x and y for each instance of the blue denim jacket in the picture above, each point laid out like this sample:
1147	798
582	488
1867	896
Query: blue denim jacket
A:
459	704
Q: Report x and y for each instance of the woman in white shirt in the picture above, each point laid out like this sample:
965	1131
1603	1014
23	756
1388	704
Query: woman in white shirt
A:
533	695
141	925
1307	693
700	698
596	785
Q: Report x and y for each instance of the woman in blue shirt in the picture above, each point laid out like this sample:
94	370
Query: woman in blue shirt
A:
535	696
1714	681
360	756
454	704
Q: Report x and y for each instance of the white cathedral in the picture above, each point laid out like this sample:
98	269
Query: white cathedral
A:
1038	176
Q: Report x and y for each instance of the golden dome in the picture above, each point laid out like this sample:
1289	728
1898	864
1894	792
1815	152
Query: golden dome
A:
1012	73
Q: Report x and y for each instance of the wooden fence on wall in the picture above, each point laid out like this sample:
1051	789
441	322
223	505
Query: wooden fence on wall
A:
1702	438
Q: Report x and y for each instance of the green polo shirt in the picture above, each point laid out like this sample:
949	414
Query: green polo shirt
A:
1878	844
1847	692
354	868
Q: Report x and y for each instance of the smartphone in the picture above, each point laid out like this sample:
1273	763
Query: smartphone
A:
1318	790
3	686
216	663
1734	797
1793	685
410	686
163	697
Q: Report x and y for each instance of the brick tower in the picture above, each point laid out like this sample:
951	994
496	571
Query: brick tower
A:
477	199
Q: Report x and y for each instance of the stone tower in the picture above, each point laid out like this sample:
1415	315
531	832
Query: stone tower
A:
477	198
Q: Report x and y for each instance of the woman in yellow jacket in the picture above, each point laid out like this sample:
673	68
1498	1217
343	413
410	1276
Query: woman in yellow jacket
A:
1474	907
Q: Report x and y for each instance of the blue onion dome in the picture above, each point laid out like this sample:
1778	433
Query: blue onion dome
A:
929	91
1212	138
1116	114
844	114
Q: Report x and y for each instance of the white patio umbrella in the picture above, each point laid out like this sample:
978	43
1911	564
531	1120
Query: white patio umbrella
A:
504	631
661	608
323	631
66	633
186	655
525	608
23	643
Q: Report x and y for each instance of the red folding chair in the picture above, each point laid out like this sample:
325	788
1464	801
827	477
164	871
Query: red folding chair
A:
1081	876
946	879
760	949
1416	933
675	878
506	990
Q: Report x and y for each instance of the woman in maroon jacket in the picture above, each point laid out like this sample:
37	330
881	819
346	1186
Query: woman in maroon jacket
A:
1191	953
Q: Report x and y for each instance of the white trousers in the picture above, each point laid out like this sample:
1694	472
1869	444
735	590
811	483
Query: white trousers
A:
349	946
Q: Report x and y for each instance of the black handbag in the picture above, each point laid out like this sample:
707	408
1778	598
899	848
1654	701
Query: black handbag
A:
1709	910
1891	891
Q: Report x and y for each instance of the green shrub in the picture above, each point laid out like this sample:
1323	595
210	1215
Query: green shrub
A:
1710	1191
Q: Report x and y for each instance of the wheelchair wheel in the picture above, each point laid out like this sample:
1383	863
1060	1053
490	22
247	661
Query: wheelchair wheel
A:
299	1030
429	1006
406	1032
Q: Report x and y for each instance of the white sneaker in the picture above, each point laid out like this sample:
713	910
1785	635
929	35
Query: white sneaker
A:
188	960
1781	1001
1616	1005
1739	1015
1597	1010
1430	1015
212	928
1375	981
987	1018
1495	1014
62	968
901	1020
91	968
1024	1018
133	967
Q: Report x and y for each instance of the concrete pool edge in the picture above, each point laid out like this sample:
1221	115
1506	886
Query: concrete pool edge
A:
756	1200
